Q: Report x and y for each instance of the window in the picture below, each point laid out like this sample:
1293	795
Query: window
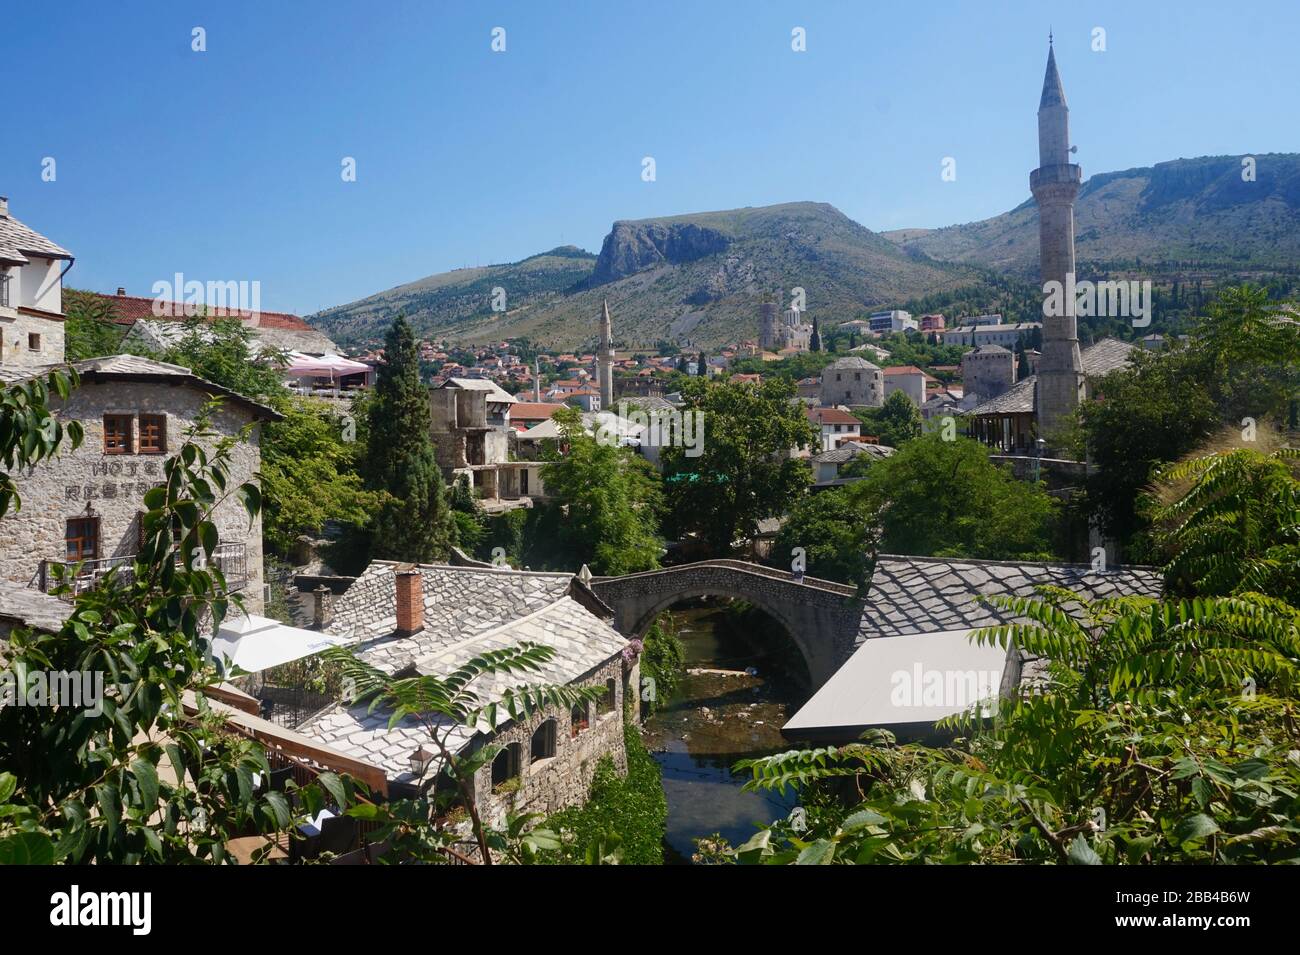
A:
117	434
153	434
505	766
578	720
33	341
82	538
543	746
857	376
609	701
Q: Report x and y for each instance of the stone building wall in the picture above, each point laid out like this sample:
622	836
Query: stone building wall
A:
987	372
16	353
563	780
113	486
855	387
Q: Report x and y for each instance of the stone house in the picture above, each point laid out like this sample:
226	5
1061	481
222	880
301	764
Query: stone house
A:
430	619
834	426
84	505
31	295
853	381
988	371
470	427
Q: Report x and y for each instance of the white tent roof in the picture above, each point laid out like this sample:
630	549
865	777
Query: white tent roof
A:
254	643
905	683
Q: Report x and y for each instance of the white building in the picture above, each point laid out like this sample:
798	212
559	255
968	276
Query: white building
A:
1005	335
908	379
31	295
891	321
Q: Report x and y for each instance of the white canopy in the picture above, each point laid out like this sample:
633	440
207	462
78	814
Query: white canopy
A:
326	366
904	683
254	643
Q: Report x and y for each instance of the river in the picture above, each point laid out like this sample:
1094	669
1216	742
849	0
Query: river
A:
720	714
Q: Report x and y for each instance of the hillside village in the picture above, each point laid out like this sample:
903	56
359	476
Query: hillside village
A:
430	602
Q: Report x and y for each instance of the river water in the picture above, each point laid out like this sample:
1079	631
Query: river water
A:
721	714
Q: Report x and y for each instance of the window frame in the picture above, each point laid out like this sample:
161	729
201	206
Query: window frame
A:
130	433
550	745
93	523
161	420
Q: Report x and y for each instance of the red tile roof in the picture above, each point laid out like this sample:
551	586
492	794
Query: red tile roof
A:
903	370
831	416
130	309
533	410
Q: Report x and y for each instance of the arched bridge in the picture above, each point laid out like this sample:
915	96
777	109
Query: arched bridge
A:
821	616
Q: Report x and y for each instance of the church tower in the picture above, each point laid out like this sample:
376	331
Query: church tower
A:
1055	185
605	359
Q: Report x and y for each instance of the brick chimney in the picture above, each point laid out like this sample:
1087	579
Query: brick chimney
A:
410	601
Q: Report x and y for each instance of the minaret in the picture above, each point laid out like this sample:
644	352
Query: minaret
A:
1055	185
605	359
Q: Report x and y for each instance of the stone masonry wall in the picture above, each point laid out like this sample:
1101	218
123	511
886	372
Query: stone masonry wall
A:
15	331
114	485
565	779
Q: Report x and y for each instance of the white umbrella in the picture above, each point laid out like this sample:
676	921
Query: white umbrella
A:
254	643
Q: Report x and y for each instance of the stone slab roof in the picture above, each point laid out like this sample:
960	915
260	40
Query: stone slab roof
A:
17	239
1100	358
467	612
495	393
28	607
929	594
459	603
850	363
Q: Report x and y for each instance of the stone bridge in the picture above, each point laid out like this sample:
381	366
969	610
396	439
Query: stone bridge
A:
821	616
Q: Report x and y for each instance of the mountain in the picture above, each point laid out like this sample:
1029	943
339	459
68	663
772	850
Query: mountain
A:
698	277
1197	214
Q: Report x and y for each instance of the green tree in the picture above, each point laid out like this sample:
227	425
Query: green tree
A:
610	495
744	472
938	498
897	421
309	473
416	523
836	533
226	353
30	431
89	330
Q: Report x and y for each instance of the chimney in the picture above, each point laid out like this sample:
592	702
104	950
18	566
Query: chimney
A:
322	607
120	290
410	601
4	206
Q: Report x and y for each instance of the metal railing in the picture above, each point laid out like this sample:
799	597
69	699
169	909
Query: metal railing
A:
4	290
230	558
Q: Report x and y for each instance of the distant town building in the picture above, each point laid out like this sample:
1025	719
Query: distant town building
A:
988	371
908	379
834	426
789	333
931	323
854	382
891	321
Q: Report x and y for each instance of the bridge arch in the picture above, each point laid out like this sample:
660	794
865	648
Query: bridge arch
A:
820	616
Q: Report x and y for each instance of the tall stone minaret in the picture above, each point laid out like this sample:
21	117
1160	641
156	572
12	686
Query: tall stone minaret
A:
1055	184
605	359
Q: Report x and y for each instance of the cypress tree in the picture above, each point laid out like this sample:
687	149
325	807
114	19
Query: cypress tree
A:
702	368
416	524
816	343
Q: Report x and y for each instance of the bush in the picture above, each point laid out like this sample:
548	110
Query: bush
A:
633	806
663	660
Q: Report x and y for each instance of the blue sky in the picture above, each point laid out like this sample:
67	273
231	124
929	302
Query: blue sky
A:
225	164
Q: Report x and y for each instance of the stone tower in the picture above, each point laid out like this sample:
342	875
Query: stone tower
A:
1055	185
605	359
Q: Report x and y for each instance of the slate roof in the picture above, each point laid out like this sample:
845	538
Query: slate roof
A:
1098	359
459	602
28	607
929	594
851	449
850	363
481	384
17	239
467	612
139	368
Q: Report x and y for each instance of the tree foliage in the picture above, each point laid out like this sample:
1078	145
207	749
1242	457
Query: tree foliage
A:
610	496
836	532
895	422
415	524
942	498
745	471
89	330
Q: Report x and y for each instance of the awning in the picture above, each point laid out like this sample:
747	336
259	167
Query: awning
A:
326	366
254	643
904	684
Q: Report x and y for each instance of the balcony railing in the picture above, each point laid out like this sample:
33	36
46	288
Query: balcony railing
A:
4	290
230	558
